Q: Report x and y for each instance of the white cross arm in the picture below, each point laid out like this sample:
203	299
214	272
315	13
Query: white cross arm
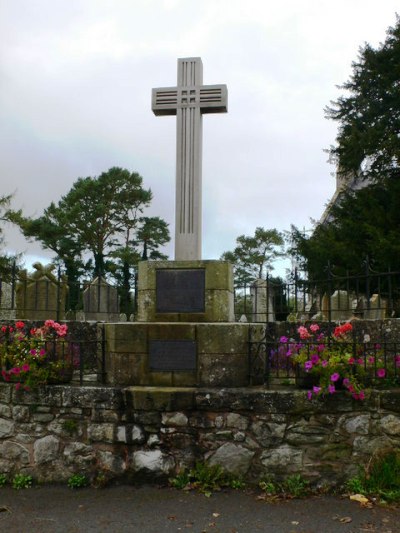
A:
208	98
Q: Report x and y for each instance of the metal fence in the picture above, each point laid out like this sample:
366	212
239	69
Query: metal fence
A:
369	294
273	361
46	295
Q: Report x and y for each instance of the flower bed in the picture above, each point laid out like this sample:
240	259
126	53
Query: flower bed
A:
326	363
34	357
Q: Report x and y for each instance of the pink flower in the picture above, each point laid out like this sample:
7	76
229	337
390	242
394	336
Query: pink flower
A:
42	352
17	386
15	370
283	339
351	361
381	372
360	361
371	360
303	332
19	325
308	365
346	382
361	395
25	368
33	352
314	358
335	376
317	390
324	363
356	396
314	328
331	389
309	395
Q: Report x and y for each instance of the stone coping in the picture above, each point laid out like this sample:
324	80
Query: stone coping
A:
142	398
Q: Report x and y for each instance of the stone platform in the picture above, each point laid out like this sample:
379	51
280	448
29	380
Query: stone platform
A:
179	354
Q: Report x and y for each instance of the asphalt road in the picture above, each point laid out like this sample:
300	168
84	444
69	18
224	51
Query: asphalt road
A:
120	509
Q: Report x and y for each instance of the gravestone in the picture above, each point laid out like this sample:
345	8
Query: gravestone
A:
262	301
377	308
100	301
340	303
41	295
7	302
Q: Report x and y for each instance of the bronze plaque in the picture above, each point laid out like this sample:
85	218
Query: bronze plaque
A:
180	290
172	356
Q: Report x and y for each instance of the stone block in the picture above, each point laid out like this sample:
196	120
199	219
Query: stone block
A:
223	339
160	399
46	449
127	337
222	370
233	458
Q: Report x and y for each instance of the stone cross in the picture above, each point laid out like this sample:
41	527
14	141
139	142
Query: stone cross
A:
188	101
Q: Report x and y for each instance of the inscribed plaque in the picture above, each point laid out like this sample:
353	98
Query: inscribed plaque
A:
172	356
180	290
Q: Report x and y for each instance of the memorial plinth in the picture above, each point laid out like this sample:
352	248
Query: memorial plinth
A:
185	334
185	291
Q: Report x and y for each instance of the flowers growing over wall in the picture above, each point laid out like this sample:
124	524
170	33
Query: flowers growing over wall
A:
34	357
329	363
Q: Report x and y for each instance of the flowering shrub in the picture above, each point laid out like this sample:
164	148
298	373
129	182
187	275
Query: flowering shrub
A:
35	357
336	361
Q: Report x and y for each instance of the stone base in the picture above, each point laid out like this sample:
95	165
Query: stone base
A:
221	354
204	291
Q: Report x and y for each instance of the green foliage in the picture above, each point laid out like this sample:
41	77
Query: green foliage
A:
100	216
206	478
70	426
364	223
368	142
7	215
22	481
3	480
294	486
381	477
77	481
253	256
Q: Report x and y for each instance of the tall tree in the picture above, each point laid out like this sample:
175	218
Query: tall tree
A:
7	215
99	218
368	140
254	255
364	223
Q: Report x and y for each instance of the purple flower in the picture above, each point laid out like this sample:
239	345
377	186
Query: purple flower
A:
316	390
346	382
309	395
324	363
283	339
331	389
308	365
314	358
335	376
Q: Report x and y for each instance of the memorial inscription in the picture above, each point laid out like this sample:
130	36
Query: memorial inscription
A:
172	356
180	290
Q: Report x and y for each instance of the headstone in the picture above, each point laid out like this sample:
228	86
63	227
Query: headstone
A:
7	302
325	306
263	301
80	316
377	308
188	101
101	302
340	303
41	295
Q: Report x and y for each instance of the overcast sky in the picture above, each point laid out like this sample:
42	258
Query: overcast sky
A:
75	99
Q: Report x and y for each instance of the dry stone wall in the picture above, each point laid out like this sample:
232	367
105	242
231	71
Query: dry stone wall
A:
140	433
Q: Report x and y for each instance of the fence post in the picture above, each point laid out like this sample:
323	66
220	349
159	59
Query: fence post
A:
367	283
13	283
295	289
58	293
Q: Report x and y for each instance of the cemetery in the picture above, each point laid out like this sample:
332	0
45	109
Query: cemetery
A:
186	378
